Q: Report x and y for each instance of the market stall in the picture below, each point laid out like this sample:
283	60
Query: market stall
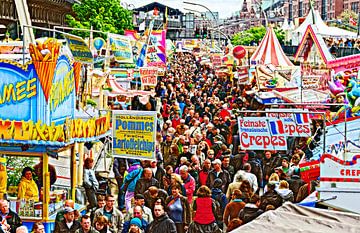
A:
37	115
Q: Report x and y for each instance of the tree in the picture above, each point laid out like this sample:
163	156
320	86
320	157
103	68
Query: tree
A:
343	21
103	15
254	34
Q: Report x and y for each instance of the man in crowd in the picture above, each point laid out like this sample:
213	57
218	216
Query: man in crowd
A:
189	182
162	222
146	181
146	211
115	217
68	224
138	213
9	217
86	225
217	172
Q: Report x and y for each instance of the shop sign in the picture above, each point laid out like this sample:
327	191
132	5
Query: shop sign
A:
148	76
262	133
215	59
121	48
38	131
134	134
19	88
242	74
335	172
296	124
62	91
311	82
79	49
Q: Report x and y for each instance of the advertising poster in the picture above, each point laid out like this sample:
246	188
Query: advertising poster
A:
296	124
134	134
156	51
148	76
79	49
262	133
121	48
242	74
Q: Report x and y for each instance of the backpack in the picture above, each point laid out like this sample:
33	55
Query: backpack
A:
218	209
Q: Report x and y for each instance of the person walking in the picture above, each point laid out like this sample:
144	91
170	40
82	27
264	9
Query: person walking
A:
162	223
90	183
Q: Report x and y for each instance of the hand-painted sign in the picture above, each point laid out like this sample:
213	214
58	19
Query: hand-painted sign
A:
262	133
134	134
62	92
19	88
242	74
148	76
121	48
79	49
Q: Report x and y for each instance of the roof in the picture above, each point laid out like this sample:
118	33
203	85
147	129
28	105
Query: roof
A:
160	7
312	37
323	29
270	52
294	218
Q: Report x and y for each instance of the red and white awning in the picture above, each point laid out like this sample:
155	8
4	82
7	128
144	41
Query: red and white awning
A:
270	52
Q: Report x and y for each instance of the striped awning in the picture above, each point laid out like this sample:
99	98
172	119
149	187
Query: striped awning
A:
270	52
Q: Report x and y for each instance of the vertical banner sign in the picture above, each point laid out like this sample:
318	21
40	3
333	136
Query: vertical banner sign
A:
79	49
262	133
296	124
148	76
134	134
121	48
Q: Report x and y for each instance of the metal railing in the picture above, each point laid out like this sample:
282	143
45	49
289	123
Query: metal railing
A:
290	50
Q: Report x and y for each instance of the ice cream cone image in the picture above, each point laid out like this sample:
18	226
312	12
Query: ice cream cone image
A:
77	71
45	72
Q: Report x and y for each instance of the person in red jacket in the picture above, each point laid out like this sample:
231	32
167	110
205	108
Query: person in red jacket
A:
189	182
204	208
203	174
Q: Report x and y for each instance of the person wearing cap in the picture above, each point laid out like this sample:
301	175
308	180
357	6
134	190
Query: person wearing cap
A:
285	166
139	200
69	224
217	172
218	195
138	218
86	225
135	226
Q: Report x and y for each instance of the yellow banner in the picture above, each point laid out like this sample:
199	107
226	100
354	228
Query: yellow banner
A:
134	134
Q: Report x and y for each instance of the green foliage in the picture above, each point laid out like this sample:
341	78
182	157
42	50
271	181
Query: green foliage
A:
15	165
255	34
344	20
103	15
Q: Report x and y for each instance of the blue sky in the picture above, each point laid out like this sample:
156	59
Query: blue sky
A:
225	7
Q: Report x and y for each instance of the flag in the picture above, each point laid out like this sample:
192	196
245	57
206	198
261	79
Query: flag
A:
302	118
165	19
352	21
142	55
142	26
277	127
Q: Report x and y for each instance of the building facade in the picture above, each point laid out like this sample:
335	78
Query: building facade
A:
43	13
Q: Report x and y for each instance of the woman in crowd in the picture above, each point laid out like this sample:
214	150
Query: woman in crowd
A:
27	188
101	224
176	180
284	191
232	209
246	190
204	209
38	227
90	183
178	209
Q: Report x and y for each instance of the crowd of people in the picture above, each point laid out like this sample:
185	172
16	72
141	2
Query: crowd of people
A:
201	180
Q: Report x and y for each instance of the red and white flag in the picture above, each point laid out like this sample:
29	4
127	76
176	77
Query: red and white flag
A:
352	21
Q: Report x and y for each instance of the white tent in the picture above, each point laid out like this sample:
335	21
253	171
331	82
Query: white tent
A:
322	28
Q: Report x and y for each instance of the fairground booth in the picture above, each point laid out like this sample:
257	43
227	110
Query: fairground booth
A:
37	120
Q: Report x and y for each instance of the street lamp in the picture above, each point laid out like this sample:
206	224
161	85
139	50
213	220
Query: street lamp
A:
197	4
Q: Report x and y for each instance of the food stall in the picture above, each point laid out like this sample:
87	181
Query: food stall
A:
37	120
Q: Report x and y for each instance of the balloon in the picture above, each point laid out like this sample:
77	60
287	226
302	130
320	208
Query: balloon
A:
239	52
99	43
